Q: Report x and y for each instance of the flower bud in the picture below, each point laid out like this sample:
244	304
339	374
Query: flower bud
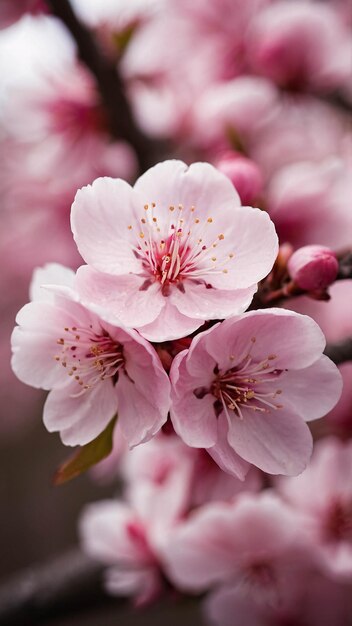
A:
313	267
244	174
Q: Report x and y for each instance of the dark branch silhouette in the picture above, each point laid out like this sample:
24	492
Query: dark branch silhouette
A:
120	119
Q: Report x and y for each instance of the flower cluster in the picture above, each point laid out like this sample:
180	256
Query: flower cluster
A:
164	257
185	349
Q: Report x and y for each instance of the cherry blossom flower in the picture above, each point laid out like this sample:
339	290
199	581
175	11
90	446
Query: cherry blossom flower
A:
113	533
312	599
299	44
245	388
175	250
92	368
253	543
323	496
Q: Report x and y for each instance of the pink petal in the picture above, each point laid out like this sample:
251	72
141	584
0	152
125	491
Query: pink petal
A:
100	220
170	324
140	416
34	344
278	442
225	456
80	419
199	302
312	392
275	331
193	418
119	299
173	182
52	273
251	237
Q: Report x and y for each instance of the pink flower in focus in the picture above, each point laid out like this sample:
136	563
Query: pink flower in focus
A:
313	267
173	251
93	369
245	388
323	497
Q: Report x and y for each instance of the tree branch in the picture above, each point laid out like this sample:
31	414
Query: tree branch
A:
121	122
65	583
340	352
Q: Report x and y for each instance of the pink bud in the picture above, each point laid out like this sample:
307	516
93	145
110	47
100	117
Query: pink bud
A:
244	174
313	267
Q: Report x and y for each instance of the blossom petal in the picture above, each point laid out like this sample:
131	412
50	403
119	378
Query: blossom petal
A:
139	414
264	333
225	456
170	324
119	299
278	442
80	419
100	219
199	302
297	389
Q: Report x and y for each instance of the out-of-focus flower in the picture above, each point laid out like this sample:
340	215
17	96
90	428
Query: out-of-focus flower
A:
244	174
116	535
309	203
312	599
313	267
253	543
92	368
11	11
245	388
175	250
299	45
323	496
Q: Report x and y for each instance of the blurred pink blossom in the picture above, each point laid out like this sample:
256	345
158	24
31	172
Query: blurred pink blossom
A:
323	497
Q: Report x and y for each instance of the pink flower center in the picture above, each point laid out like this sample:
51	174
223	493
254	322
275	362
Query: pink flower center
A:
183	253
240	386
89	357
74	116
338	522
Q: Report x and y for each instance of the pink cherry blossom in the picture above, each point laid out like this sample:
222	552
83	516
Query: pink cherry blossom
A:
323	496
309	203
245	388
178	477
311	600
92	368
113	533
253	543
313	267
299	44
175	250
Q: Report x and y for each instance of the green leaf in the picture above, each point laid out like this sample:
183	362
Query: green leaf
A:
86	456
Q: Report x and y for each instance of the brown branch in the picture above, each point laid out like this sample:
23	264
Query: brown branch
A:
121	122
341	351
66	583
